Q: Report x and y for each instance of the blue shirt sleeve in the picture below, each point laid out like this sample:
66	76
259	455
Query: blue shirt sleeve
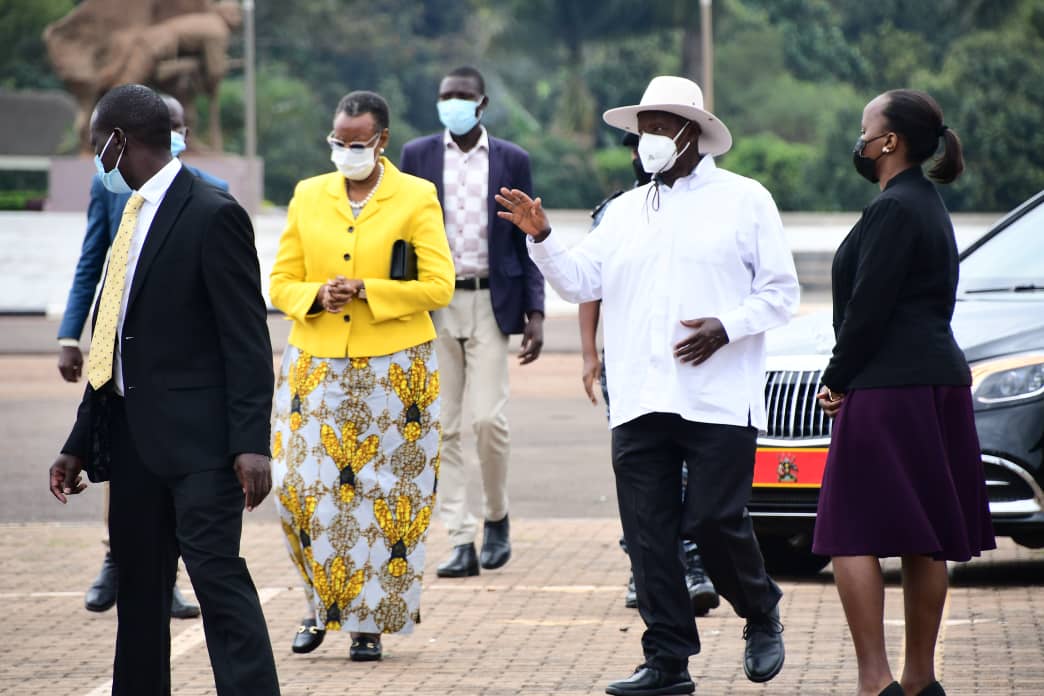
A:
92	260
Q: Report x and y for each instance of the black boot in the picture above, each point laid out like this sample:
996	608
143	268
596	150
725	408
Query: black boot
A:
101	595
496	544
463	562
181	608
701	590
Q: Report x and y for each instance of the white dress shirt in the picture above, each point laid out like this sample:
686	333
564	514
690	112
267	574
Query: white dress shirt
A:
465	193
714	248
153	191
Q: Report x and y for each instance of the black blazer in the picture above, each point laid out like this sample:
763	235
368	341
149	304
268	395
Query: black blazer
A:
197	357
894	282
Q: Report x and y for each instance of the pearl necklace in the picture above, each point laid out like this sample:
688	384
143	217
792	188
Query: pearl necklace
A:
357	207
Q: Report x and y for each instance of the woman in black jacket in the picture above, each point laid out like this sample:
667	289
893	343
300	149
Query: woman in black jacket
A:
904	475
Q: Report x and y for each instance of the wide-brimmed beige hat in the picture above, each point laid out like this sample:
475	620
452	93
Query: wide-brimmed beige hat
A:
680	96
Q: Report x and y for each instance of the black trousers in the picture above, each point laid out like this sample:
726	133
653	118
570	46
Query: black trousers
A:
151	519
647	456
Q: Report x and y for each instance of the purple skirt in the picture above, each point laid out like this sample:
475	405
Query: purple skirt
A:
904	477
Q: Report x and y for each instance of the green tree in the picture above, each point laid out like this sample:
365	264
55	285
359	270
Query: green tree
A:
23	58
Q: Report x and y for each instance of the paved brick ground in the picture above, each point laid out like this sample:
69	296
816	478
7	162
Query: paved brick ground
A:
551	622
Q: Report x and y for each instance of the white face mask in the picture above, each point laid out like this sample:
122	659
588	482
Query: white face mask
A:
354	162
658	153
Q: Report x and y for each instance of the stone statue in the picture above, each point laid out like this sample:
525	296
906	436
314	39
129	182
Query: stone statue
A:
177	46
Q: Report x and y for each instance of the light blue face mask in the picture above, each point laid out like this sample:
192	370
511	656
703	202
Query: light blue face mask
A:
177	143
458	115
112	180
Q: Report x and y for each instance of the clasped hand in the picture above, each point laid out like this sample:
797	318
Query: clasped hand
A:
335	294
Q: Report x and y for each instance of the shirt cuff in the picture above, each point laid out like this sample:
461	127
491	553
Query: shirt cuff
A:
735	324
68	343
551	246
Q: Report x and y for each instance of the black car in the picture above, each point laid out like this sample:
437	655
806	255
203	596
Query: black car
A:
999	324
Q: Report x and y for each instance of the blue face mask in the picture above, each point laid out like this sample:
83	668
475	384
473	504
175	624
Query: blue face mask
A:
177	143
458	115
112	180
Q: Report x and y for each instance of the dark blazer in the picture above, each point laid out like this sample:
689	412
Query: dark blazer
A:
197	357
894	284
104	213
516	286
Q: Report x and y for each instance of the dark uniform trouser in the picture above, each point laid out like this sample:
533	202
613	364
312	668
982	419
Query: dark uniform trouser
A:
150	520
647	456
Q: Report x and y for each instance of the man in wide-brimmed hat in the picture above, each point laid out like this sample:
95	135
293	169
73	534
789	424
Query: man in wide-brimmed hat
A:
692	269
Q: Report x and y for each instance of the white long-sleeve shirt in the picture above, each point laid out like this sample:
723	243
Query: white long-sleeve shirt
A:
714	248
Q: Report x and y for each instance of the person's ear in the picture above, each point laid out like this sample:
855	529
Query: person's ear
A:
482	105
890	144
382	142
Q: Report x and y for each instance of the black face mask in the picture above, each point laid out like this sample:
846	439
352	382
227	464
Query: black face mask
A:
641	177
866	166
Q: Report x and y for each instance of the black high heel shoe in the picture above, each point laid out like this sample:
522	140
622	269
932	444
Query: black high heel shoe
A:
893	689
933	689
365	648
308	638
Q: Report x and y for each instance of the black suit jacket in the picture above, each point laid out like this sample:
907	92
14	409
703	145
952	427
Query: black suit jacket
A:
894	283
197	357
516	285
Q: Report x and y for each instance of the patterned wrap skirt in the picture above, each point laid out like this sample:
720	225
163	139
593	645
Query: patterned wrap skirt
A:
355	459
904	476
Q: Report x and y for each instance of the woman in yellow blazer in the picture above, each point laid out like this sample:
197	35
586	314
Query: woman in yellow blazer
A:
356	416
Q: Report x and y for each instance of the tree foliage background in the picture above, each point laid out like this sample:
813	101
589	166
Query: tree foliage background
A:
791	79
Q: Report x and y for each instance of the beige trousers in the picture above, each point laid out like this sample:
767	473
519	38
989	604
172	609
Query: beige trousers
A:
472	353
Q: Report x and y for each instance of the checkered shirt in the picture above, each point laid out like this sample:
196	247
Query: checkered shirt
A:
465	182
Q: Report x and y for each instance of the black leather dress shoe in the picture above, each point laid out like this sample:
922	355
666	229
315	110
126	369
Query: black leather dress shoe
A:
181	608
365	648
308	638
647	681
701	590
496	544
763	656
101	595
463	562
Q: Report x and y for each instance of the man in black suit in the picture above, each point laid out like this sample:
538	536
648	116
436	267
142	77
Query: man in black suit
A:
177	407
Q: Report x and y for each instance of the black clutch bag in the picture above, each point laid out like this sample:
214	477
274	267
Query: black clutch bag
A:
403	261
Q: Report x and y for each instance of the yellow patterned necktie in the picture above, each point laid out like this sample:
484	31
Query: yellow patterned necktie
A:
103	338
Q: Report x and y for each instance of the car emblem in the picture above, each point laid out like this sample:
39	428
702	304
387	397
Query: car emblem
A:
787	470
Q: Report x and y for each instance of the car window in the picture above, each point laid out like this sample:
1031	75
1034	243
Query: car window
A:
1014	258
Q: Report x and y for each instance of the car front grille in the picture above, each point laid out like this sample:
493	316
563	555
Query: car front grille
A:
790	400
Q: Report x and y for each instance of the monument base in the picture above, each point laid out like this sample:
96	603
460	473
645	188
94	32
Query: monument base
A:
69	185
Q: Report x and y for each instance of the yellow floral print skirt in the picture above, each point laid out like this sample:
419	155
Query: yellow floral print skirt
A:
355	459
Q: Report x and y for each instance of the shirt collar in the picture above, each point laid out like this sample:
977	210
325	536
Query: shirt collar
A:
700	174
155	188
482	144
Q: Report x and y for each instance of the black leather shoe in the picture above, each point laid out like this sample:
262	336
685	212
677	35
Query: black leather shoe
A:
101	595
631	596
181	608
763	656
647	681
496	544
365	648
462	563
701	590
893	689
308	638
933	689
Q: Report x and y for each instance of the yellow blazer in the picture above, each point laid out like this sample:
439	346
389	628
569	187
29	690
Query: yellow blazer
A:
323	239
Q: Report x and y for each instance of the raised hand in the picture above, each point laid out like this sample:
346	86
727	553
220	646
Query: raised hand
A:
526	213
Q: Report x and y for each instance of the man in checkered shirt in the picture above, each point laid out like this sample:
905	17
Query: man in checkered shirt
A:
499	292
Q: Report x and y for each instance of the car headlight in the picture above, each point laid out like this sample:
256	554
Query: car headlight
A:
1012	378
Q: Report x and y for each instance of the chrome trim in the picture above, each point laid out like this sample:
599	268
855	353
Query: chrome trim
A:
1016	508
793	444
781	514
